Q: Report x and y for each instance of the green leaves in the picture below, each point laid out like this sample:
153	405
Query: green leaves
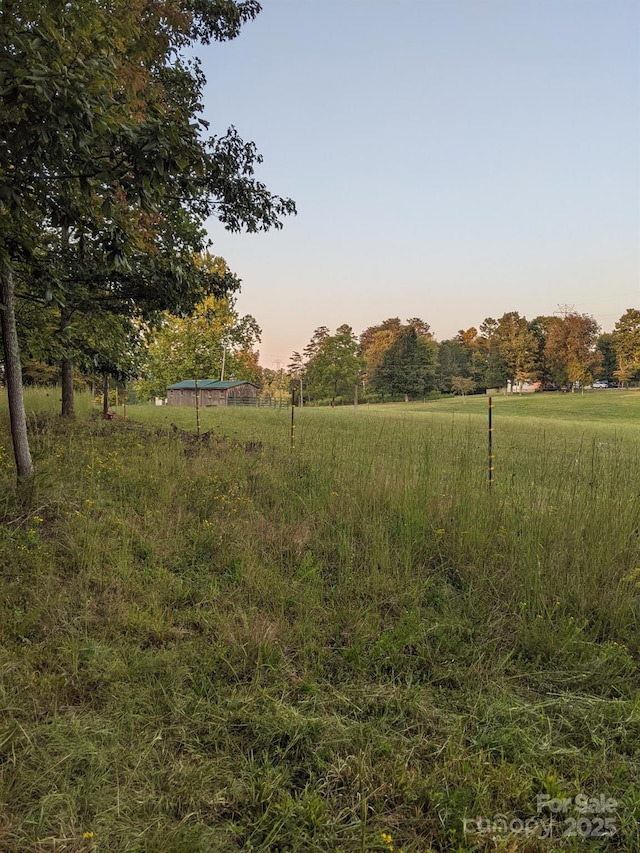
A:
626	343
102	154
193	346
407	366
333	367
400	358
94	116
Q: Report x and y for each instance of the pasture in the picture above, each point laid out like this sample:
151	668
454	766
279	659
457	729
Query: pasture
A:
221	643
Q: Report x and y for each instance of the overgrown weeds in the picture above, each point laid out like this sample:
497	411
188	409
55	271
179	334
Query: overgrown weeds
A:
225	645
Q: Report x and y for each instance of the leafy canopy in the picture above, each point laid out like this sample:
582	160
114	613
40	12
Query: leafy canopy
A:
100	135
194	347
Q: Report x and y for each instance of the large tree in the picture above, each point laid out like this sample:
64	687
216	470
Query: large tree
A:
374	342
489	361
102	150
609	364
454	361
539	327
399	357
571	350
473	345
200	345
626	343
407	367
517	346
507	350
86	298
334	366
296	370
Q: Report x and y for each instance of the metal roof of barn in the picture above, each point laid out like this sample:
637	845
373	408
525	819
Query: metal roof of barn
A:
208	384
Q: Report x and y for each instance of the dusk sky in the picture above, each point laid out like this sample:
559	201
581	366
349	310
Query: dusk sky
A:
450	159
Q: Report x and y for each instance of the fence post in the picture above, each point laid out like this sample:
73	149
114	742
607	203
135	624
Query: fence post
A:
195	382
490	442
293	408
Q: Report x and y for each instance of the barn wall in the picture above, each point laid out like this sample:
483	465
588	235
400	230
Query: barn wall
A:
180	397
208	396
243	391
212	397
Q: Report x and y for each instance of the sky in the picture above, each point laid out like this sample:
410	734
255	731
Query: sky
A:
450	160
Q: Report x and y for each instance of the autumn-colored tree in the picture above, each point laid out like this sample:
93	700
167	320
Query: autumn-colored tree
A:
571	350
367	337
468	337
380	345
420	327
517	346
374	342
624	374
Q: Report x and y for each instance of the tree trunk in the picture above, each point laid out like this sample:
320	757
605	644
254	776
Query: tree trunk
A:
13	378
105	397
67	389
67	369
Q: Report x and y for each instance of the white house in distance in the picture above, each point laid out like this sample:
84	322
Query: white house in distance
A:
211	392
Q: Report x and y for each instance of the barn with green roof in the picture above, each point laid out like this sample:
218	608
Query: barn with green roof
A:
212	392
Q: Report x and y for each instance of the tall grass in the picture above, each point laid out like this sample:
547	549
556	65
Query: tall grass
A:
45	398
227	644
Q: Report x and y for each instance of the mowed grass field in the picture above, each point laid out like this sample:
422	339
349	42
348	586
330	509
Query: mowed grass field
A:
222	643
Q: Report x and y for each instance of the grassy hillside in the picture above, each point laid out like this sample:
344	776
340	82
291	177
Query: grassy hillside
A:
221	644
